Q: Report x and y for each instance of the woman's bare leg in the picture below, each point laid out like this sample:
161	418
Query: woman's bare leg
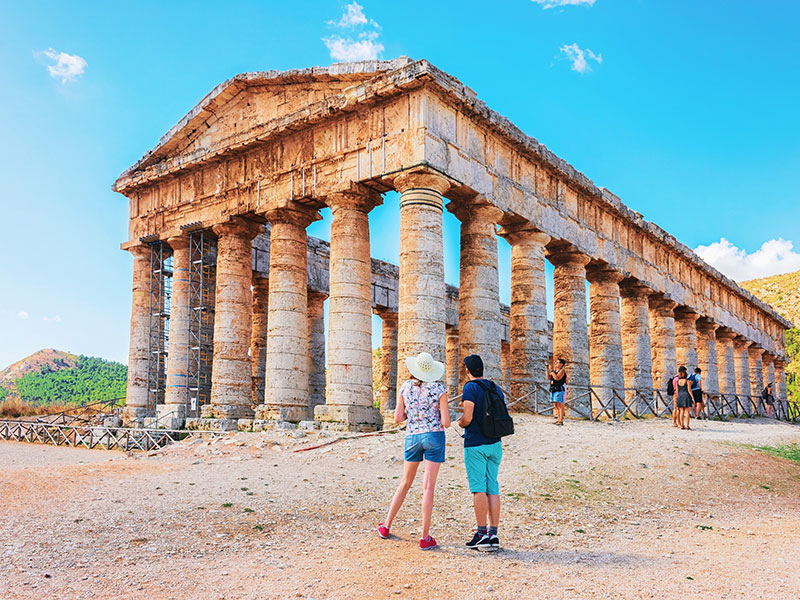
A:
409	472
428	486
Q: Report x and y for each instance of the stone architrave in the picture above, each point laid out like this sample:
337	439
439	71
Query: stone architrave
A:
756	374
570	327
349	394
479	328
136	397
741	361
605	339
662	339
316	346
707	355
172	414
637	359
388	389
686	338
421	321
528	327
288	362
258	336
452	363
725	359
232	385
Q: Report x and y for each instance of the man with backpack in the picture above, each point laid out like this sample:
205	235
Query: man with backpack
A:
485	420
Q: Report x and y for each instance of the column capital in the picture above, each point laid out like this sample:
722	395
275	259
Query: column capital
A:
178	242
684	313
767	357
421	179
603	274
662	305
723	333
140	251
756	350
779	363
238	226
566	255
633	288
522	232
476	209
386	314
357	197
707	325
743	341
318	296
293	214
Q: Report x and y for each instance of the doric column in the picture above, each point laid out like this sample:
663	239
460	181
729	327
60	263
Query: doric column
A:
288	361
505	361
479	326
686	337
662	340
637	359
727	367
316	345
258	336
172	413
605	338
388	389
768	370
136	395
421	322
707	355
741	361
349	394
780	382
570	331
756	374
452	363
528	328
232	381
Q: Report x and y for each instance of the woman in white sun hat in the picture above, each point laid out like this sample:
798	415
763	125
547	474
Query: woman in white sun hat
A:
422	401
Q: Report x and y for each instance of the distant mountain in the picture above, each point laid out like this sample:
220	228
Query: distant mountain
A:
53	376
780	291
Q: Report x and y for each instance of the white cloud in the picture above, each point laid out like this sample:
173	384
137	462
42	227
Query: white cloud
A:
22	315
67	67
365	44
55	319
558	3
580	57
773	258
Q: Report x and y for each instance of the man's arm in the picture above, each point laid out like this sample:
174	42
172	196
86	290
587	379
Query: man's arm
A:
466	416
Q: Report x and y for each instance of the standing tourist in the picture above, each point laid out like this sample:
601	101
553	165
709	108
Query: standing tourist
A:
423	402
558	389
697	393
683	398
672	390
768	398
482	456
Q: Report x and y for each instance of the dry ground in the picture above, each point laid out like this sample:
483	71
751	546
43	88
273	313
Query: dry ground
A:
590	510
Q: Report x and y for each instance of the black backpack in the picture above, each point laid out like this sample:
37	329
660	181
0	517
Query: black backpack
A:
494	422
671	386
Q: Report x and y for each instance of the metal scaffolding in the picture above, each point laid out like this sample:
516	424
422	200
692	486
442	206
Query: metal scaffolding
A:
158	339
202	284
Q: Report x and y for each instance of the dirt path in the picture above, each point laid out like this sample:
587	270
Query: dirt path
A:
590	510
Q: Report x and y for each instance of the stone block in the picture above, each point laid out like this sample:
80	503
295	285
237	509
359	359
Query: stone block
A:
308	425
245	424
171	416
354	417
287	414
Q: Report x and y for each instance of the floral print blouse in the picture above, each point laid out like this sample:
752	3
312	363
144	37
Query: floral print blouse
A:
422	405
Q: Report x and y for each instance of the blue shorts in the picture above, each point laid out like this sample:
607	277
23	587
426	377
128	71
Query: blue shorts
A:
557	396
429	446
483	464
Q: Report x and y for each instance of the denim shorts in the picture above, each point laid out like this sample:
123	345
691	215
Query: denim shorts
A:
557	396
429	446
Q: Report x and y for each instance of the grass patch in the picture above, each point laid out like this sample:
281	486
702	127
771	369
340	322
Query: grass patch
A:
705	527
227	504
790	451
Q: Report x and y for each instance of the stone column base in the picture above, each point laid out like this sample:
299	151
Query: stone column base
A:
356	417
226	411
134	416
211	424
291	414
171	416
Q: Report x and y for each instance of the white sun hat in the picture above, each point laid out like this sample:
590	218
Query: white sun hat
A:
424	368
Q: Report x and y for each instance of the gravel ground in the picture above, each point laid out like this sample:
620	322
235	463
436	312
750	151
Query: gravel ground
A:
590	510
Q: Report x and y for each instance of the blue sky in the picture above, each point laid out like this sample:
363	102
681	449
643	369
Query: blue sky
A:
686	110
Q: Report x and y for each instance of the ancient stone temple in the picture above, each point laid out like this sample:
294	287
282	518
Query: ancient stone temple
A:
228	289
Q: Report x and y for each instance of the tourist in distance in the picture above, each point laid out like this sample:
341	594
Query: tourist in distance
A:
558	388
672	390
422	401
768	398
683	398
482	456
697	393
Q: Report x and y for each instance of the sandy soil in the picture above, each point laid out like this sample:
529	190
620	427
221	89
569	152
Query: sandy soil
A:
590	510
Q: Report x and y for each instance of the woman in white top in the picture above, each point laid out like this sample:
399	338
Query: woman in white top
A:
422	401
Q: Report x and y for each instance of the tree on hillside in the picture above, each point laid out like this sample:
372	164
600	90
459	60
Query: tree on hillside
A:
91	380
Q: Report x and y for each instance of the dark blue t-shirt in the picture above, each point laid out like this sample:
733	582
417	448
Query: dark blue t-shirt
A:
474	393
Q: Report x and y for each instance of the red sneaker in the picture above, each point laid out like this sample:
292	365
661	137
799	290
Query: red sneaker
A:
383	531
428	544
